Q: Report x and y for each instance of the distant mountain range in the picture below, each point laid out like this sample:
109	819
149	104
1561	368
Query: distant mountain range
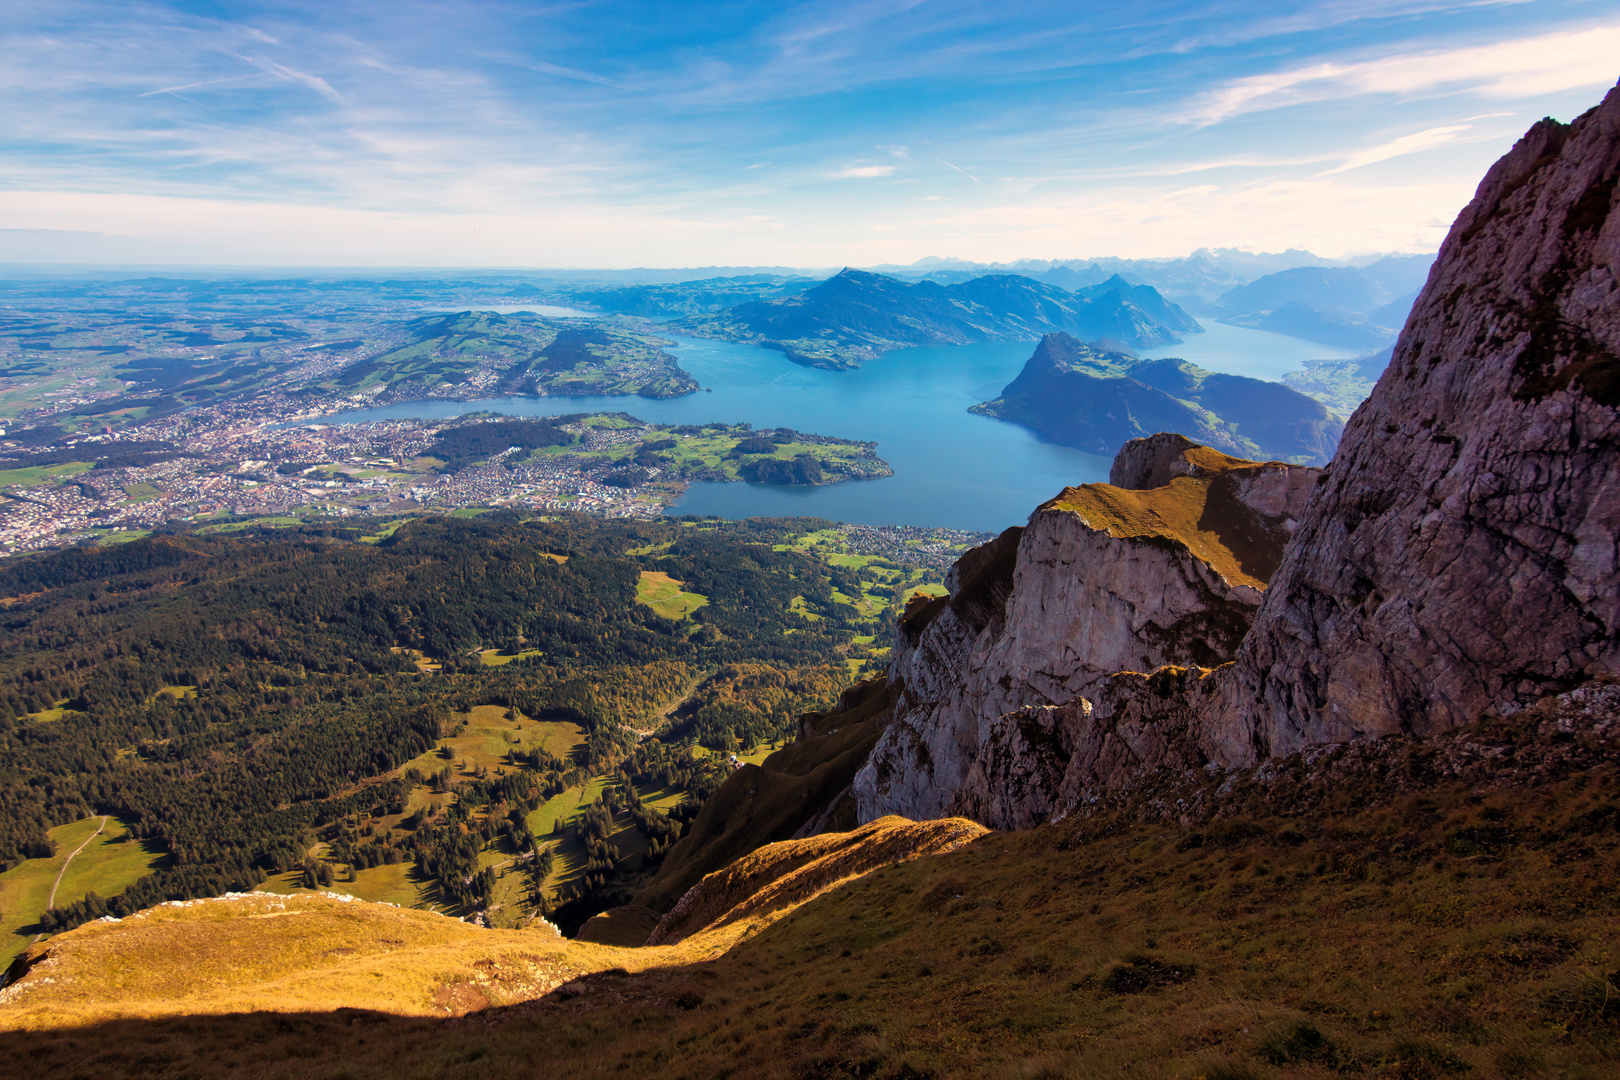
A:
1335	305
856	315
1096	400
1360	306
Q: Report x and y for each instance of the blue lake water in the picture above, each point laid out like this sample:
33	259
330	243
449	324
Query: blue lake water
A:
951	468
1237	350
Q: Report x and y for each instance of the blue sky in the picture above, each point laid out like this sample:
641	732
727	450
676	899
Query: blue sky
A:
351	132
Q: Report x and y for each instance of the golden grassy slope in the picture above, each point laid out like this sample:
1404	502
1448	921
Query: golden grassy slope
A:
1198	512
262	951
794	788
779	877
1457	932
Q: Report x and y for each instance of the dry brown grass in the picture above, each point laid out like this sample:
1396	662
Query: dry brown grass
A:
1455	933
314	951
1196	512
779	877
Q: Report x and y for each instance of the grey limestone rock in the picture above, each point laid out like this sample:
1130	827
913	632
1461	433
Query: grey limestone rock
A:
1464	554
1041	616
1459	558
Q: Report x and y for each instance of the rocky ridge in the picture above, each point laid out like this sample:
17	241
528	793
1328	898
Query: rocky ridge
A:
1104	578
1096	396
1460	557
1465	554
855	316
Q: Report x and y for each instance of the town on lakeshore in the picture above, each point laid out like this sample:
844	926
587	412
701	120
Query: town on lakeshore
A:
267	460
128	407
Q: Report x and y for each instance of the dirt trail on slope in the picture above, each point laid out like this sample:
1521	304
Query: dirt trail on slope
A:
65	864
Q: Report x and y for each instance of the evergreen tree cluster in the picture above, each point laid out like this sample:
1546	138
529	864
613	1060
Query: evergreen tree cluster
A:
234	698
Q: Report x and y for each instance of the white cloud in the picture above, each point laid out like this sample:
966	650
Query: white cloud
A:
861	172
964	172
1406	144
281	71
1519	68
1328	215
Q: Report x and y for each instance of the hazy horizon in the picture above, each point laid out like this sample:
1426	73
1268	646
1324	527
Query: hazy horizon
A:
822	134
45	268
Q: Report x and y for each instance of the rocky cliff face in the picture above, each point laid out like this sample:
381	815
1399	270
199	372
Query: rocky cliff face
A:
1103	579
1460	556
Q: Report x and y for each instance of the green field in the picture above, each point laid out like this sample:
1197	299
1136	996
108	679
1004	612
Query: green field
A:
41	474
141	492
383	884
178	693
54	713
384	532
488	735
499	657
663	594
124	536
107	864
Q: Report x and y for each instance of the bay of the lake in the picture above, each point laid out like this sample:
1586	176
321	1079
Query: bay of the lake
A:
951	468
1237	350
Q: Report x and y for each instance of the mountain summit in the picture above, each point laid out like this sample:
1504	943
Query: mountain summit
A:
1096	399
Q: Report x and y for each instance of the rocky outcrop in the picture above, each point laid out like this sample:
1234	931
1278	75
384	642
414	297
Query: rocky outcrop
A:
1459	558
1103	579
1464	555
1152	462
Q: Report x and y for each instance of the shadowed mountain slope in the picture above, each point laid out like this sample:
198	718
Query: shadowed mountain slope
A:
1096	399
1401	909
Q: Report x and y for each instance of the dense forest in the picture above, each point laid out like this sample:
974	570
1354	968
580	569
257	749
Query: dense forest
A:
229	696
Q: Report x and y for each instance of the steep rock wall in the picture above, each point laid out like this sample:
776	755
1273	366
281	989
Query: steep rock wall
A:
1102	579
1464	555
1461	555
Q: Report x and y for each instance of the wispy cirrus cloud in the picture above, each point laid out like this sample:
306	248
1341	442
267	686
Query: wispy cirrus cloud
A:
1406	144
1521	67
736	124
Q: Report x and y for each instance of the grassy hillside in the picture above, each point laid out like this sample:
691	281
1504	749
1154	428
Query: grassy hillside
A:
104	862
517	353
413	707
1298	927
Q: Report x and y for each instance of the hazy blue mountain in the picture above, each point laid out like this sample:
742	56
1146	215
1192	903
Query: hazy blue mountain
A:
1076	278
1398	275
856	315
1336	305
1096	399
687	297
1394	313
1144	298
1329	325
1340	287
